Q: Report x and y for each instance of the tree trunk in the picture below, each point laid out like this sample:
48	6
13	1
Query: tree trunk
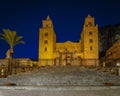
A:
10	62
10	73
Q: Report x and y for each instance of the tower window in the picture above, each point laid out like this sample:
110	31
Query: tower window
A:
46	41
45	48
91	40
90	33
91	48
46	34
46	25
89	24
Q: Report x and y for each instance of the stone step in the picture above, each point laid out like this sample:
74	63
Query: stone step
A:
59	90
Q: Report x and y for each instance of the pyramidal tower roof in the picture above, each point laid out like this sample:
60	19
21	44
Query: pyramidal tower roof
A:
48	18
89	16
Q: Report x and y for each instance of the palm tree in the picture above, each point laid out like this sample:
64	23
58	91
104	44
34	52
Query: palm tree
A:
12	39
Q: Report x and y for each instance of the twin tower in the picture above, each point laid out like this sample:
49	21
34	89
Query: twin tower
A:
84	52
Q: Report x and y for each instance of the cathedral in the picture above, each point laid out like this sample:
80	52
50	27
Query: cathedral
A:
84	52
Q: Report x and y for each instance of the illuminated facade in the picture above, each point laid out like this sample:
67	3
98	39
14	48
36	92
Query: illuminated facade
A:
114	51
113	54
83	52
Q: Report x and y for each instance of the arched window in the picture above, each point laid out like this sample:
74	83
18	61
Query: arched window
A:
46	34
45	49
90	33
46	41
89	24
91	48
91	40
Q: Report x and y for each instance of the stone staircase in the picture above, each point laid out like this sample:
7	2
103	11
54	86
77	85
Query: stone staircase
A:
69	75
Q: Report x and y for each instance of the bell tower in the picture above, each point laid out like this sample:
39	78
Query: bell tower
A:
89	39
47	41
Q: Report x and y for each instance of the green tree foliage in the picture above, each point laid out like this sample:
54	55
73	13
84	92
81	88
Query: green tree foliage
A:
12	39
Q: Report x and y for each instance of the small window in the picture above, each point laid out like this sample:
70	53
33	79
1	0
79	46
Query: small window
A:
89	24
45	48
90	33
46	25
91	40
46	41
91	48
46	34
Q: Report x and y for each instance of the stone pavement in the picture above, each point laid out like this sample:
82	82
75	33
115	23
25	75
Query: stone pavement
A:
60	91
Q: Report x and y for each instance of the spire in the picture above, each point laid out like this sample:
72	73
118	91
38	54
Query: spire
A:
89	16
48	18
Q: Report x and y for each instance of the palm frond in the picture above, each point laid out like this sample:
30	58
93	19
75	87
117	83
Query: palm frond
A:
20	42
7	35
11	37
18	38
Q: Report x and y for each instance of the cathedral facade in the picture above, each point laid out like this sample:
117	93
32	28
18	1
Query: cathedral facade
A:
84	52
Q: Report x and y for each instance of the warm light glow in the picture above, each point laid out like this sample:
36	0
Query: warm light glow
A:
49	49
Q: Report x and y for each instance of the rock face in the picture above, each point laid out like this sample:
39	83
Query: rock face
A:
70	75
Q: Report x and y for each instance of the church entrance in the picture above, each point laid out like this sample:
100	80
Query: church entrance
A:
66	58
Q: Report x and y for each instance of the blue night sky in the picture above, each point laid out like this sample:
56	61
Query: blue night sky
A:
25	17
